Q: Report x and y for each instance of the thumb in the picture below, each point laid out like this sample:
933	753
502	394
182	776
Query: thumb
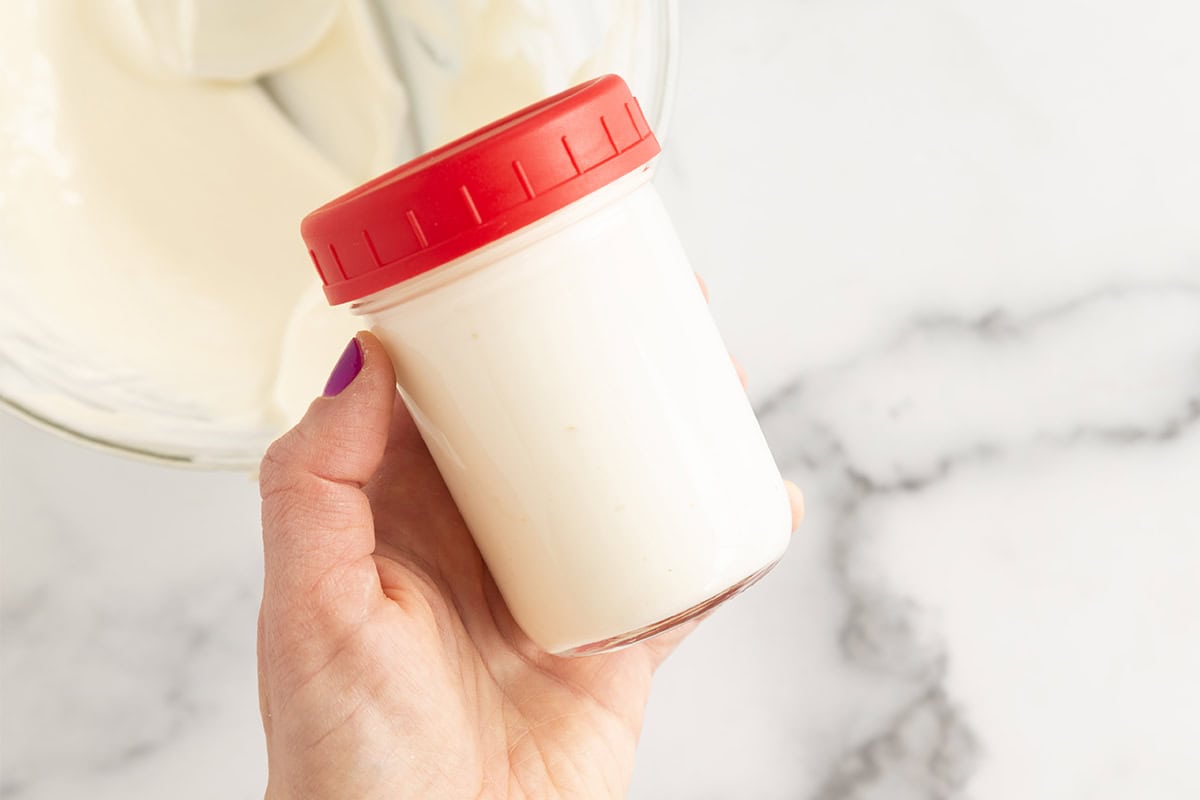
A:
318	531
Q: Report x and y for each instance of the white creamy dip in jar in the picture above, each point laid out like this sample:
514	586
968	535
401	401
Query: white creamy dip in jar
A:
560	361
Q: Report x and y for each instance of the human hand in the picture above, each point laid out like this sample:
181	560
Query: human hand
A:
389	665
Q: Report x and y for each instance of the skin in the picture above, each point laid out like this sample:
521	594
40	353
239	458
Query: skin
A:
389	666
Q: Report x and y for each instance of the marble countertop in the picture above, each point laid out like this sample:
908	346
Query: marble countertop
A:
956	245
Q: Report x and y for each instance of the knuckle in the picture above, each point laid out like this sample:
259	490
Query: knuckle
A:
284	472
278	464
271	474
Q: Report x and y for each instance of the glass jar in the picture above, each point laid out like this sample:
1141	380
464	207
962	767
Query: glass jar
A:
558	357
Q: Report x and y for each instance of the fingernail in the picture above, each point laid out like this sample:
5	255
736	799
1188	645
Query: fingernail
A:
347	367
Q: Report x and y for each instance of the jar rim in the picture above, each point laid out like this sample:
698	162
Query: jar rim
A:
397	293
478	189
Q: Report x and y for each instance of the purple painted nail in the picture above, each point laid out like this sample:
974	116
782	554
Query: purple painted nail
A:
347	367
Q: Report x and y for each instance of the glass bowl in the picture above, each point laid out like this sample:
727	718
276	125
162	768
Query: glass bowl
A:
49	376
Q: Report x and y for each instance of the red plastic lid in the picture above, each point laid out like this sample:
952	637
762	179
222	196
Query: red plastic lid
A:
477	189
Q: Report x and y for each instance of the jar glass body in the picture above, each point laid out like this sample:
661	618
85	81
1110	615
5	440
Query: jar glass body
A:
579	402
